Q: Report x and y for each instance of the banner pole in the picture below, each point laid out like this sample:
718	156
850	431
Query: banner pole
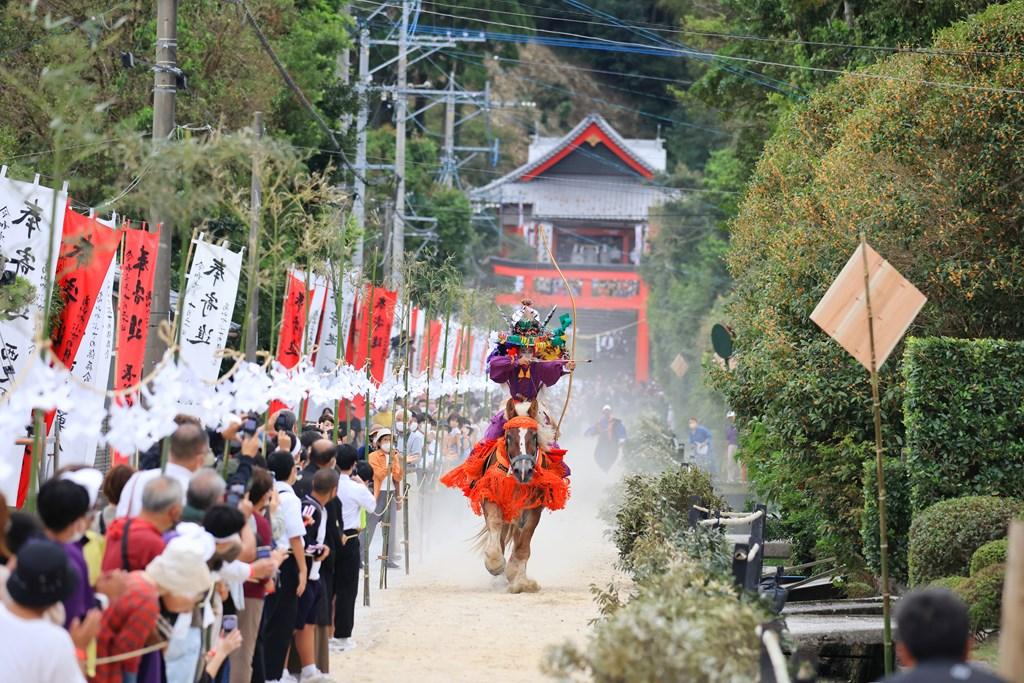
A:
366	416
880	470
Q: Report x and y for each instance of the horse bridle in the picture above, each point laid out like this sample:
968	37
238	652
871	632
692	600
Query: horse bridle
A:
521	422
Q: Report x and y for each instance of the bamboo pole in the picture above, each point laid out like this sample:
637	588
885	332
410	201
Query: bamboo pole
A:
424	497
301	417
409	333
165	446
339	348
435	467
1011	633
366	418
880	471
388	518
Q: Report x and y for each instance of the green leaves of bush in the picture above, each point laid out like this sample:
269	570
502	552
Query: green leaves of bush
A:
945	536
993	552
964	417
897	511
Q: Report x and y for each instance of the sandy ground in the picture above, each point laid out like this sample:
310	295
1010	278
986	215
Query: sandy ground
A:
449	620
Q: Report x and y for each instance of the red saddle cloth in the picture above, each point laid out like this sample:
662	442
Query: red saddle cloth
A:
484	476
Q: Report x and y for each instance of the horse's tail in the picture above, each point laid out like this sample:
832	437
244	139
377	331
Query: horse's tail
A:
478	542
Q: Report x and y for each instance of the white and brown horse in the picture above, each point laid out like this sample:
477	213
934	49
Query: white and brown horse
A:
522	450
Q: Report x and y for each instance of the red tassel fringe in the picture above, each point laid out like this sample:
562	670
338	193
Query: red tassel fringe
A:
546	489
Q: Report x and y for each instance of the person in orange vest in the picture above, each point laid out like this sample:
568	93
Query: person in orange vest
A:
387	501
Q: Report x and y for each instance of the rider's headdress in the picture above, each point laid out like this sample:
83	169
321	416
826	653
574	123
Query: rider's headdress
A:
527	332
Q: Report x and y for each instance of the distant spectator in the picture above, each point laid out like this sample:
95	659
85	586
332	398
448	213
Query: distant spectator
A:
700	444
64	506
189	446
133	542
934	640
205	489
113	484
32	648
356	500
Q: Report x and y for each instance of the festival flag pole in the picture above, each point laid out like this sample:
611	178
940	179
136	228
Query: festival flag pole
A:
440	400
117	343
165	447
301	412
389	519
366	418
407	413
43	331
339	348
425	502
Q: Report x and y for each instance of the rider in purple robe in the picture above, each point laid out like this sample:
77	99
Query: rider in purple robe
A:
525	377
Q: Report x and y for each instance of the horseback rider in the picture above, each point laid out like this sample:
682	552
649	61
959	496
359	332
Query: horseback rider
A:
526	359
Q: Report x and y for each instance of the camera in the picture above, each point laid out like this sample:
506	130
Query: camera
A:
229	623
249	427
234	494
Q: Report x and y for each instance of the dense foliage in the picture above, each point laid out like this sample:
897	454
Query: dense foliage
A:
983	594
655	508
881	153
944	536
897	515
964	418
993	552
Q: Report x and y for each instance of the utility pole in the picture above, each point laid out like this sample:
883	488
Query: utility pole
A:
362	121
252	304
164	92
401	101
448	170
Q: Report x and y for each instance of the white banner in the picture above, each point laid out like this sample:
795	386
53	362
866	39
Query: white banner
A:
315	308
208	307
26	218
92	368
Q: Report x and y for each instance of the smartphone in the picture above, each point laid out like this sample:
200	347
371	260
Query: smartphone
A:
229	623
262	552
249	427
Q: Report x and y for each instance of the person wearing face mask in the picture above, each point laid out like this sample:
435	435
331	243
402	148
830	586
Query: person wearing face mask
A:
387	504
63	508
413	448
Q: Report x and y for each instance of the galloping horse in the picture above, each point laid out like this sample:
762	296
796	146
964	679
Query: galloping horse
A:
509	481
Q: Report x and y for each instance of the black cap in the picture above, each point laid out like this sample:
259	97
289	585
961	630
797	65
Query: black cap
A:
43	576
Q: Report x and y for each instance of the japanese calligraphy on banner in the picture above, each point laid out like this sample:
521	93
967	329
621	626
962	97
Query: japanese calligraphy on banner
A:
209	303
26	219
289	343
375	331
87	250
135	298
91	367
317	299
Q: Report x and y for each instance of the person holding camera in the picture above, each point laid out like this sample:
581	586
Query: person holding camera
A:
324	490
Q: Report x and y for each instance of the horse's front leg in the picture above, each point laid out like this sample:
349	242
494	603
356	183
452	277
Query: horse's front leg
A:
494	555
518	581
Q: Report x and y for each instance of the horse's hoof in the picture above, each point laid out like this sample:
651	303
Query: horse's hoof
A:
523	586
495	569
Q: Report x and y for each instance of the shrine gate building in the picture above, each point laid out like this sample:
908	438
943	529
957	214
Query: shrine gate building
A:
587	194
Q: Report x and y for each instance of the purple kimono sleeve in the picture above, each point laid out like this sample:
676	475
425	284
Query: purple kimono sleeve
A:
548	372
500	369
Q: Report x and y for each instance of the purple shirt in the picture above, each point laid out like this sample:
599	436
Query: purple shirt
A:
542	373
82	598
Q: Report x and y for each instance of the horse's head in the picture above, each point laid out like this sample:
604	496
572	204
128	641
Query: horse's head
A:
522	444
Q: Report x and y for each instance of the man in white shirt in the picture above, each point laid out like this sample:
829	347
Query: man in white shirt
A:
189	446
355	498
324	488
280	609
32	648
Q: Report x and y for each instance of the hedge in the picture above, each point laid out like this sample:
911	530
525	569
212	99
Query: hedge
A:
897	510
993	552
944	536
964	417
983	594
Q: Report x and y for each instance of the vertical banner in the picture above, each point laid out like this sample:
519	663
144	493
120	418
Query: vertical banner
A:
435	333
376	329
330	342
209	304
27	218
317	299
92	367
87	250
135	297
289	342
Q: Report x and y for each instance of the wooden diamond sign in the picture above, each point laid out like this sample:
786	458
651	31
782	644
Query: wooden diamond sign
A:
679	365
842	312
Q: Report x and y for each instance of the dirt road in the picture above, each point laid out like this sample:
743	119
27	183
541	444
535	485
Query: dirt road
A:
451	621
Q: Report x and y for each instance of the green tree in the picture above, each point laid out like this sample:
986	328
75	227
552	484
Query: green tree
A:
931	173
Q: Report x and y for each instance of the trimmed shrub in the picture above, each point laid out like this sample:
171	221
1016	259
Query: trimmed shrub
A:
655	508
964	417
944	537
665	633
983	594
951	583
897	511
993	552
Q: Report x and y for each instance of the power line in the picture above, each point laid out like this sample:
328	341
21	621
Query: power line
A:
665	28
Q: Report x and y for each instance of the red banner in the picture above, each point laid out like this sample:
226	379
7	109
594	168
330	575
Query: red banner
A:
433	336
382	302
135	297
293	327
86	251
